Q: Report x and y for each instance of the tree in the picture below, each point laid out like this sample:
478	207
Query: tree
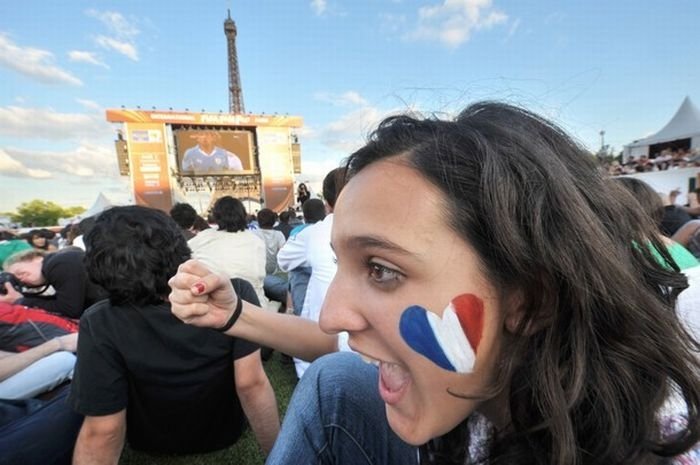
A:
70	212
42	213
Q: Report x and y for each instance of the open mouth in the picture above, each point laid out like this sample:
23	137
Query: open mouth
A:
394	379
393	382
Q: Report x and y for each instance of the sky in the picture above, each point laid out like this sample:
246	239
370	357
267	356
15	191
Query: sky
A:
621	67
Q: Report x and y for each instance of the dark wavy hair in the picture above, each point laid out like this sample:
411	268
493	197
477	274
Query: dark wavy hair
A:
314	210
44	233
266	218
229	213
132	252
585	386
332	185
646	196
184	215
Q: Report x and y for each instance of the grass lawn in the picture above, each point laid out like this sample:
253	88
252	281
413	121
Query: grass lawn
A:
245	451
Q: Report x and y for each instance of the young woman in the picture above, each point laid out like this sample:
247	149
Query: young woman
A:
303	194
493	274
39	239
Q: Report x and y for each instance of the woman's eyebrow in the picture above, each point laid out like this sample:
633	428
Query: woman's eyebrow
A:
376	242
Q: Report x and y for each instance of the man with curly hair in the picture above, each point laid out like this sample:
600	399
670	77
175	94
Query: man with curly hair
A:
142	373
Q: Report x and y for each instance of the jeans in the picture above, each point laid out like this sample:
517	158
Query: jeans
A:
298	282
275	288
337	417
41	376
38	432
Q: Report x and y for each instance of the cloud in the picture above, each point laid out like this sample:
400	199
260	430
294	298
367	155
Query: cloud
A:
318	6
313	171
11	167
45	123
350	97
125	48
122	33
34	63
86	57
116	23
89	104
89	162
513	28
327	146
348	132
452	22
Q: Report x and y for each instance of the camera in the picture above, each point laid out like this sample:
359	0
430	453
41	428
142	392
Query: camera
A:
6	277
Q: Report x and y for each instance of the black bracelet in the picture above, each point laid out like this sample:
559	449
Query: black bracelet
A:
231	321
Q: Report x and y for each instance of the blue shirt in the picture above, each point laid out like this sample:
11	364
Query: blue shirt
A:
219	160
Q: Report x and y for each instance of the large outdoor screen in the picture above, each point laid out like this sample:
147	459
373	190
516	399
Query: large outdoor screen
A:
210	151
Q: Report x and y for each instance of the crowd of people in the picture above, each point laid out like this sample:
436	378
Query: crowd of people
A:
468	291
665	160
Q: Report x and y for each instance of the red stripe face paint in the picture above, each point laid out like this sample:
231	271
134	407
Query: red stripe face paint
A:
470	312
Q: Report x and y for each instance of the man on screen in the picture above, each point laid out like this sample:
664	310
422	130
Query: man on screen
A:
207	156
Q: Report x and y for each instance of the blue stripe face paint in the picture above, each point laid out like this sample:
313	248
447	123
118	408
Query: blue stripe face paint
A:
415	329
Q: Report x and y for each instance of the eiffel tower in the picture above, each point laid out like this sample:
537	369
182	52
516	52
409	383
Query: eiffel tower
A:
235	92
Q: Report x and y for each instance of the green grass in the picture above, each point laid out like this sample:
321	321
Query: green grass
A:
245	451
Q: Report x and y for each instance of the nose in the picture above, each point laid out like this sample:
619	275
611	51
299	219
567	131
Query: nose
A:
342	308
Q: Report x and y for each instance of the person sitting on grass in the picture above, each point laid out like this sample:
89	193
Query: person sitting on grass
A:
142	373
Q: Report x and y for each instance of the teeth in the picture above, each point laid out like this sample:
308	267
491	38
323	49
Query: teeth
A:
369	360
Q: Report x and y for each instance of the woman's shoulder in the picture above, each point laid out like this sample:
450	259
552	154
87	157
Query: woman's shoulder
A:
671	421
481	432
670	425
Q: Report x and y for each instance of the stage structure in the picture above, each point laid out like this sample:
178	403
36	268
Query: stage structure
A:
174	156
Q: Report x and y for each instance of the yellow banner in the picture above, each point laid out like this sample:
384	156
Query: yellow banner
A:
148	163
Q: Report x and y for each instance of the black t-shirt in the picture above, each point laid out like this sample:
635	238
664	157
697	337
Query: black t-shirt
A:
65	271
674	217
175	380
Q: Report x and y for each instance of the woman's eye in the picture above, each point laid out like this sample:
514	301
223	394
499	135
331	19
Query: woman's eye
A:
381	274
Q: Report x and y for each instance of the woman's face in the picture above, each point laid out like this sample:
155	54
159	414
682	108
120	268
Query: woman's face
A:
395	250
39	241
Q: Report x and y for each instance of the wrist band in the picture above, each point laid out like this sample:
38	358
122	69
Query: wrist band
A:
234	317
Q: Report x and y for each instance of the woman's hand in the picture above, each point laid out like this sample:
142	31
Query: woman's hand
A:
201	297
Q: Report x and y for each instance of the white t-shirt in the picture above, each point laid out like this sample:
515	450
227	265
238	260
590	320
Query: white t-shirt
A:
236	254
688	304
274	241
312	248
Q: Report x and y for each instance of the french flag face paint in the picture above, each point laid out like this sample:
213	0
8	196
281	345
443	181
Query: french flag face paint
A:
450	342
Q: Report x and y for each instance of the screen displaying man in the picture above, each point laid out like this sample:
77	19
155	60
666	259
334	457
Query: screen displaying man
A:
208	156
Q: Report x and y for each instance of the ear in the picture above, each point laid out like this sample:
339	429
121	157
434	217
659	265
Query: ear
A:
515	317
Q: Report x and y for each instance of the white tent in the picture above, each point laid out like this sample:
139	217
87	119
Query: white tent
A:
685	124
101	204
